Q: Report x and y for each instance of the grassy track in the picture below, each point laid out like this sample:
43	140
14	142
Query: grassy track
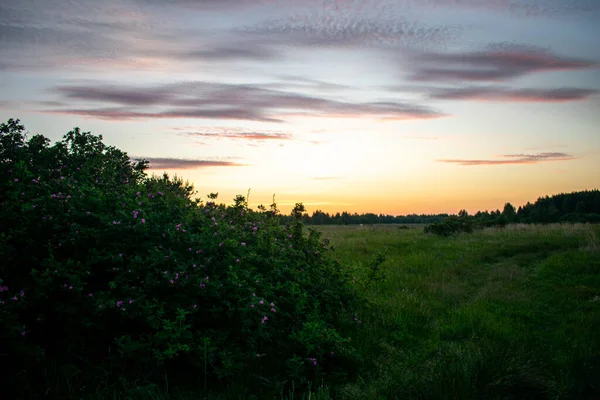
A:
508	313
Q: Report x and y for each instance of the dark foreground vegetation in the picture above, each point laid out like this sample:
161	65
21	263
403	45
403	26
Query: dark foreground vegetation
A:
114	284
111	280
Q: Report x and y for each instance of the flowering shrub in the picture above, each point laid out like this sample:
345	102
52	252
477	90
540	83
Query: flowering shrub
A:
108	275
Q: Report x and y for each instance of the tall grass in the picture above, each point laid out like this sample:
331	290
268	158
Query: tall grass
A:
498	314
507	313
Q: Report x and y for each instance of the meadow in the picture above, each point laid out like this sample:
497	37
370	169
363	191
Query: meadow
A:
115	284
509	313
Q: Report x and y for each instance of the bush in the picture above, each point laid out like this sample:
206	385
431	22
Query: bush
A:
450	226
110	276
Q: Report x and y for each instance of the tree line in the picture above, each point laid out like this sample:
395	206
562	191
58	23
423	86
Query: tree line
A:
319	217
582	206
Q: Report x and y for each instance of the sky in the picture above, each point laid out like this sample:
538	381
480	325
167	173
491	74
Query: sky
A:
385	106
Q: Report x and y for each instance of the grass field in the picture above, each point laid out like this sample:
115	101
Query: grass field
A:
508	313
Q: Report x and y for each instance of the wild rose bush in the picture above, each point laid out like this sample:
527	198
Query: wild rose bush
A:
108	275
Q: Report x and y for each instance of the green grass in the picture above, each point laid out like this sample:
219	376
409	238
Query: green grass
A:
499	314
509	313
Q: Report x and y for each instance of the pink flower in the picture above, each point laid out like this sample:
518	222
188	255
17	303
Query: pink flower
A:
273	310
143	221
261	302
243	243
251	305
237	261
195	305
23	333
91	295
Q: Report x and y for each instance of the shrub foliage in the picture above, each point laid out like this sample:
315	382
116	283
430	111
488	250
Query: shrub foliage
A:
109	275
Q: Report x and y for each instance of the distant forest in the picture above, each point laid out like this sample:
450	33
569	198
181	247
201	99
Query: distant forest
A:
581	206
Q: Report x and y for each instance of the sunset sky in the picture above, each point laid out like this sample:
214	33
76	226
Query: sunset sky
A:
386	106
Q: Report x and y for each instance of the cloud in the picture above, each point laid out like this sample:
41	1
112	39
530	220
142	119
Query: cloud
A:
76	34
204	5
233	133
514	95
127	114
224	101
116	94
523	8
240	52
180	163
326	28
38	34
515	159
151	34
326	178
498	63
301	82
